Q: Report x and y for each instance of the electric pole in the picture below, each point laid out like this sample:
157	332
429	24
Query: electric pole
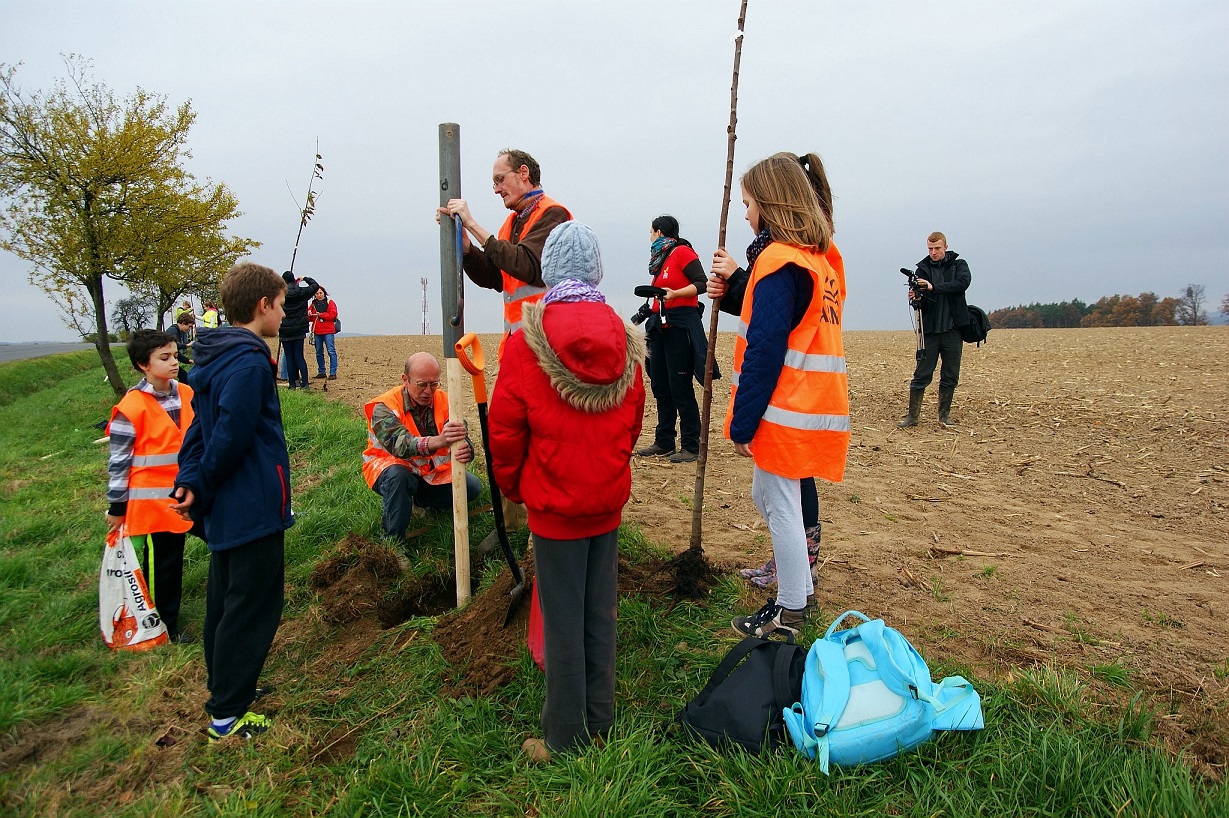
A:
426	325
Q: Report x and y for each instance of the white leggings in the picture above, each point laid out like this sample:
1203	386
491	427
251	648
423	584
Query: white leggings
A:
779	499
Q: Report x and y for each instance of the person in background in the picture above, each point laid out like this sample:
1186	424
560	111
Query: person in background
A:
294	327
210	318
185	336
146	432
944	277
185	309
563	424
678	347
322	313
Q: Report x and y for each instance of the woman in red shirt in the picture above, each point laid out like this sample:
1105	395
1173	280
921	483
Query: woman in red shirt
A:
676	342
322	311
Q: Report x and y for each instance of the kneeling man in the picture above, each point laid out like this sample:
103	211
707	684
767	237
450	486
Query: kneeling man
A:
407	459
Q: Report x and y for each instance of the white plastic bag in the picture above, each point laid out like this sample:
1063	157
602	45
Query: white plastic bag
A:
126	614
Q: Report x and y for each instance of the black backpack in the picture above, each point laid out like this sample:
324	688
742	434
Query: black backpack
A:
743	700
978	327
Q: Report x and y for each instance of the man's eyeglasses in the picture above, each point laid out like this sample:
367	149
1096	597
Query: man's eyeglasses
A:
426	384
498	179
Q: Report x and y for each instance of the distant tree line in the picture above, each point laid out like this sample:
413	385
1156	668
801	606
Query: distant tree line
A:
1143	310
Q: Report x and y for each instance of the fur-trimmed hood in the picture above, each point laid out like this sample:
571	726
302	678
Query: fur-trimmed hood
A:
589	353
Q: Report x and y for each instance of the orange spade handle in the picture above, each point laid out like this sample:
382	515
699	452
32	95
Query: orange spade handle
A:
473	365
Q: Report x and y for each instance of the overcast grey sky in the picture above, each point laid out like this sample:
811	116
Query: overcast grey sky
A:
1067	149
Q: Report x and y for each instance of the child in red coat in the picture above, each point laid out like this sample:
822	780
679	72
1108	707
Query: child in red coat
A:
564	418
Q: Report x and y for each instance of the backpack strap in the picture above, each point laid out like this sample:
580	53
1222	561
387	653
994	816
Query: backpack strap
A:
836	623
809	722
780	674
731	660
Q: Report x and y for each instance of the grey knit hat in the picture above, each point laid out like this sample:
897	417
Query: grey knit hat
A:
571	251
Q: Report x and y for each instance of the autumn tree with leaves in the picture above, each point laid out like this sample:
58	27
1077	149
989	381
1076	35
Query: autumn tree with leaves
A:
95	189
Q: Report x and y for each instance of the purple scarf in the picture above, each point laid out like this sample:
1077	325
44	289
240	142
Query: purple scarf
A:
570	290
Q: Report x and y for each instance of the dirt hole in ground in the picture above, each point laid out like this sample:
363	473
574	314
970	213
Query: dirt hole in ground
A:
363	580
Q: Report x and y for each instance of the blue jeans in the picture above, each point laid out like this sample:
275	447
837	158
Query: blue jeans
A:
401	489
296	364
323	341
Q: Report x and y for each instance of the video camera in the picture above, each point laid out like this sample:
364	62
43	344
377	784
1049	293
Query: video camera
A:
914	283
646	309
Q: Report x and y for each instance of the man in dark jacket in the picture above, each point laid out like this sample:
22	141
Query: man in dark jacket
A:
294	327
943	277
234	477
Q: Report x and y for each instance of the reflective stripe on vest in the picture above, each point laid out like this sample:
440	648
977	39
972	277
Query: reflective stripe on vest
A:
804	431
518	293
155	461
435	468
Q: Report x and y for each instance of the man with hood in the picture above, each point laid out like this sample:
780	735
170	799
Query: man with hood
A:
944	277
293	329
563	424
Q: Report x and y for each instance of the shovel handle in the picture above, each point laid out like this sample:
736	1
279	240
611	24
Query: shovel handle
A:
474	363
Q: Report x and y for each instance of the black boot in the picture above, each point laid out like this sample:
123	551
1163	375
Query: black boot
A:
945	406
915	409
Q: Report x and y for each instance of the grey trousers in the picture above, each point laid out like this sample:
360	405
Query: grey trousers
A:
779	499
578	589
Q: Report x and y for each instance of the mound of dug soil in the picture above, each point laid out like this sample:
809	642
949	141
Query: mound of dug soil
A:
483	653
363	581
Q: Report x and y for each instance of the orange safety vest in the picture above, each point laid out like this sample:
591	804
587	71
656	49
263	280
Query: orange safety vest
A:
805	429
518	293
155	461
435	468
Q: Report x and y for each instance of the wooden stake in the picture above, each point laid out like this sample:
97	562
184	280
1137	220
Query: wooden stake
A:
697	497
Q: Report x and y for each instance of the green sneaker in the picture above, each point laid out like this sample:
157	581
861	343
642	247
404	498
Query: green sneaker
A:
247	726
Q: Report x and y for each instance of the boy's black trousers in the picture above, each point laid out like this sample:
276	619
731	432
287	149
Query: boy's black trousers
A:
243	606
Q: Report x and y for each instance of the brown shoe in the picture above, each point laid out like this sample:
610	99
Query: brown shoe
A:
332	377
653	451
537	751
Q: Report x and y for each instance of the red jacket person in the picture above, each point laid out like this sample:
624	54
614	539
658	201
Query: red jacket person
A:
564	419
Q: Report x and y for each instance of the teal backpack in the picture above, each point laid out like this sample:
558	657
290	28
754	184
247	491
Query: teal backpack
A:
867	695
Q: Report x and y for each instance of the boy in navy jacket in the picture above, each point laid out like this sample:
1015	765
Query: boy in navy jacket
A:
234	477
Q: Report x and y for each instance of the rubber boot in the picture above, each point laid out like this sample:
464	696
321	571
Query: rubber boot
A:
915	409
945	406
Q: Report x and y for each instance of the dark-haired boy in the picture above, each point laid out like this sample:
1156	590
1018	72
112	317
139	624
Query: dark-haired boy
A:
234	476
147	430
185	337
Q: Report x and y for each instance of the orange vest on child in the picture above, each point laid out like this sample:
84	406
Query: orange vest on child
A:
805	429
155	461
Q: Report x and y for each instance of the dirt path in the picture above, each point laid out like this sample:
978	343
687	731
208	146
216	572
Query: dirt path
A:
1090	467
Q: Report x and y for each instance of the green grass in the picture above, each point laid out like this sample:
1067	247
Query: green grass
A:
371	736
